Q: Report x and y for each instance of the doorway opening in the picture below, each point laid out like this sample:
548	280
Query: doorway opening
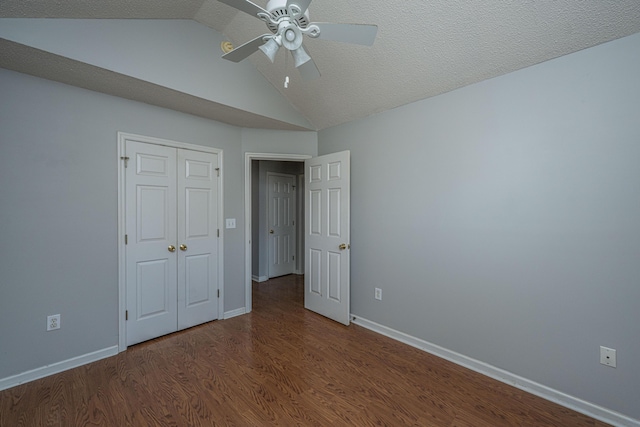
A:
253	231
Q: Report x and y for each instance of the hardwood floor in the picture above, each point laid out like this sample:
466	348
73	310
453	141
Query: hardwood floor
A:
279	365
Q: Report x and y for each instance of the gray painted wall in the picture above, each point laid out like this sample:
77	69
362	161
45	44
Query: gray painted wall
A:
279	141
58	208
501	221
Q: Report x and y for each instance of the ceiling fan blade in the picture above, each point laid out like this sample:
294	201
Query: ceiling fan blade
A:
245	6
309	70
242	52
302	4
364	34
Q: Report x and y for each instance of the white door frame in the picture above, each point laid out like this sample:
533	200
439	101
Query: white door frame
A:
300	225
248	157
122	301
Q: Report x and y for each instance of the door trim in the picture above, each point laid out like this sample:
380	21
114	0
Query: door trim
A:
300	225
122	301
248	157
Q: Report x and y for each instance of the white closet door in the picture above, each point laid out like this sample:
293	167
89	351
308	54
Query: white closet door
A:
172	239
151	262
197	238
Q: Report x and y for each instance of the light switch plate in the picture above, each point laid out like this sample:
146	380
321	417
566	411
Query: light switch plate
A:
231	223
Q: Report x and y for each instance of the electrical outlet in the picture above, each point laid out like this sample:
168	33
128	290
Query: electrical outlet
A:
53	322
608	356
379	294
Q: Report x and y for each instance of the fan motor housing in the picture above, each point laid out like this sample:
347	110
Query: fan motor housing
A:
278	10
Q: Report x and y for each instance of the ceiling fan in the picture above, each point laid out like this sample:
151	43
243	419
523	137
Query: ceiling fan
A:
288	21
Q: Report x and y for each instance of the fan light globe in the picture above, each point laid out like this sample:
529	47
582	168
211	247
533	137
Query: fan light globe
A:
270	49
291	36
300	56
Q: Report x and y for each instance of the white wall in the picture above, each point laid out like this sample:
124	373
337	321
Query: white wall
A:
501	221
58	210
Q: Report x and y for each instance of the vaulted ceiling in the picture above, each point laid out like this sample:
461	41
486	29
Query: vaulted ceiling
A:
423	48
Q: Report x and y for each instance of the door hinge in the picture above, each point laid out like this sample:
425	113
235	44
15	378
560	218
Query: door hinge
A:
218	171
126	315
294	222
293	257
218	293
126	239
218	232
126	160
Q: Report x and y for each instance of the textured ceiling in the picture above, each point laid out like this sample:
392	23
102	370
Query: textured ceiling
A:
423	48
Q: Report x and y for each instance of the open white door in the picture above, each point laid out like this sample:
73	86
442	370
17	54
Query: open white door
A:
327	226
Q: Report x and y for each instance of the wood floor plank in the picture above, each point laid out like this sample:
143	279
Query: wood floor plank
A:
280	365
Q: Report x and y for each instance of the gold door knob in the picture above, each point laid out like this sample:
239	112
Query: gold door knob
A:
342	247
183	247
171	248
270	231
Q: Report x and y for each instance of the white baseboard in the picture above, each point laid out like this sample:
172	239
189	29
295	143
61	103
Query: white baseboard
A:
57	367
574	403
74	362
233	313
259	278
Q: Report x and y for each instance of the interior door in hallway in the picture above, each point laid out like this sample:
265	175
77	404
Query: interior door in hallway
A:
281	223
171	270
327	234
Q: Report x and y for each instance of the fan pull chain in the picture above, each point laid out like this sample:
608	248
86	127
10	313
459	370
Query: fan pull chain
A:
286	61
